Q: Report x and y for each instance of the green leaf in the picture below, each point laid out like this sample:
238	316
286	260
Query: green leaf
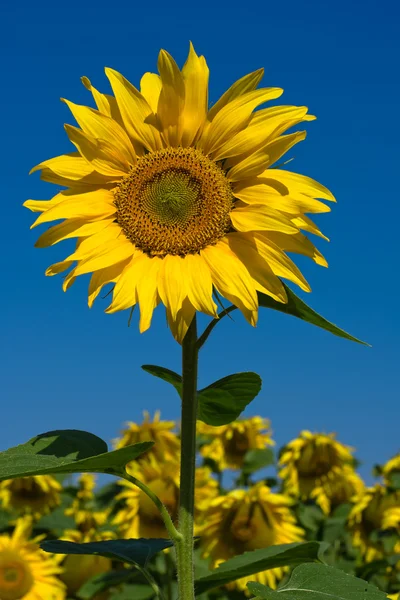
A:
56	521
166	375
261	560
222	402
310	516
394	480
319	582
257	459
297	308
138	592
5	519
100	583
66	451
133	551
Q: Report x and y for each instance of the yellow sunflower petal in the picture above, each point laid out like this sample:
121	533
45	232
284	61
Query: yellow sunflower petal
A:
172	283
109	254
70	228
134	110
279	262
103	127
124	294
105	103
245	84
280	146
261	217
101	278
172	98
70	167
90	182
91	205
263	193
180	324
264	278
69	280
307	224
150	88
233	117
98	153
88	246
199	285
146	293
59	267
264	124
300	183
195	76
42	205
250	166
230	276
299	244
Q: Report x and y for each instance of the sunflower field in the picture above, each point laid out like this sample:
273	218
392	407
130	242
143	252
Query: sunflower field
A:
249	497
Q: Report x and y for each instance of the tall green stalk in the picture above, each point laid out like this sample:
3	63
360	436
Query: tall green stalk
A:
184	546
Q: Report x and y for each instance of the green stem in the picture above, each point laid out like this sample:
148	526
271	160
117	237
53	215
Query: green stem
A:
173	532
184	547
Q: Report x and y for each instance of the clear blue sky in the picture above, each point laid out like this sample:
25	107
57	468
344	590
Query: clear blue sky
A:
65	366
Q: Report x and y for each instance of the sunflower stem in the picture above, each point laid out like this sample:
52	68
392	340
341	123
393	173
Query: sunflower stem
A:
170	527
184	547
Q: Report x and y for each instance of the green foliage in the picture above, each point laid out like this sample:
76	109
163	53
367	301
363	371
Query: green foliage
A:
297	308
319	582
221	402
260	560
224	400
66	451
136	552
257	459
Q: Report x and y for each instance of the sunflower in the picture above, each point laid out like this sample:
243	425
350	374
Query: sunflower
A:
26	571
166	443
230	443
83	507
206	489
172	201
78	568
36	495
138	516
316	466
376	511
392	467
248	520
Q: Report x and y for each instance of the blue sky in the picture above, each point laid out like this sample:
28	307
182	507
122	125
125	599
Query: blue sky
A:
65	366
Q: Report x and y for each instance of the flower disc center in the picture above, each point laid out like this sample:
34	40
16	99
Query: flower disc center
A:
174	201
15	577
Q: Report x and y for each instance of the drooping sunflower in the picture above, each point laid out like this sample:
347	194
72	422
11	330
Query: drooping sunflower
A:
26	571
166	443
78	568
138	515
376	511
84	509
230	443
172	201
392	467
316	466
206	489
35	495
248	520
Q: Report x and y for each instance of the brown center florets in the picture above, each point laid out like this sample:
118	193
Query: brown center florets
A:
174	201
